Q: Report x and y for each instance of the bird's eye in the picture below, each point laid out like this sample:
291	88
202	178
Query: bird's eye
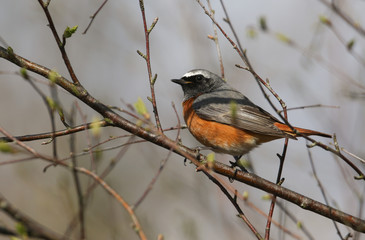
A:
199	77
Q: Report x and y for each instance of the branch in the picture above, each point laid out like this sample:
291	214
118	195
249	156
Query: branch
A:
111	191
34	229
147	57
345	17
61	45
93	16
55	134
163	141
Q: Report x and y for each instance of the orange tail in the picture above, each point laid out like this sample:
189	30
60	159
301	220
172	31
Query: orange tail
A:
303	131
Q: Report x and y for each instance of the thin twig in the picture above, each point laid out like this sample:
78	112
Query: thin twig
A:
310	106
295	220
162	165
88	137
124	148
327	65
93	16
33	228
216	41
321	188
233	200
345	43
76	177
352	155
49	109
60	44
147	57
278	179
111	191
244	198
345	17
53	135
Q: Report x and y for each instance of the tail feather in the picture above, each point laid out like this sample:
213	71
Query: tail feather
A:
303	131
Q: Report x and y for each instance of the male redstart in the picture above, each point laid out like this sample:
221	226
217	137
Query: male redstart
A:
222	118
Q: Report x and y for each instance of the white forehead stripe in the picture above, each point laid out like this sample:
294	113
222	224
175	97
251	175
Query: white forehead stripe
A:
205	73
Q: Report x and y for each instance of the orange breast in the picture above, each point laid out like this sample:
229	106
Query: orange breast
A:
220	137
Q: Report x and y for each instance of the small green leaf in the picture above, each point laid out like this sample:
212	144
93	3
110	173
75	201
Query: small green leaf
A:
323	19
263	23
153	81
15	238
350	44
95	127
98	153
245	195
108	120
141	108
21	229
251	32
24	73
211	158
299	224
69	31
10	51
6	147
141	54
53	75
51	103
283	38
266	197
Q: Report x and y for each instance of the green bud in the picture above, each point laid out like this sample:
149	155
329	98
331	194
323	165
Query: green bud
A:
69	31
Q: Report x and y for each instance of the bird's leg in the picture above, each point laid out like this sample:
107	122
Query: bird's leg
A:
236	163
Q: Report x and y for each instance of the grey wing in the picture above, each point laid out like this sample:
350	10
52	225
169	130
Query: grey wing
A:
218	107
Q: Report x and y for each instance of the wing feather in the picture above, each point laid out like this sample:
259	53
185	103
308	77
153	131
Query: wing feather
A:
217	106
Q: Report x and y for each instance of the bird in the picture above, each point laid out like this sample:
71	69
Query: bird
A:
226	121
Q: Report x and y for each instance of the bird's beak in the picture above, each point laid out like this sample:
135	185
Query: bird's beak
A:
180	81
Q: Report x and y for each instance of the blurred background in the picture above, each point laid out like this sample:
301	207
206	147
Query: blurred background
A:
304	59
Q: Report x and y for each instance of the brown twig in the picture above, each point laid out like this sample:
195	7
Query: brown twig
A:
53	135
124	148
17	160
162	165
244	198
328	23
147	57
328	66
137	226
88	137
76	178
216	41
309	106
93	16
319	183
49	109
60	44
278	180
33	228
295	220
332	5
233	200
